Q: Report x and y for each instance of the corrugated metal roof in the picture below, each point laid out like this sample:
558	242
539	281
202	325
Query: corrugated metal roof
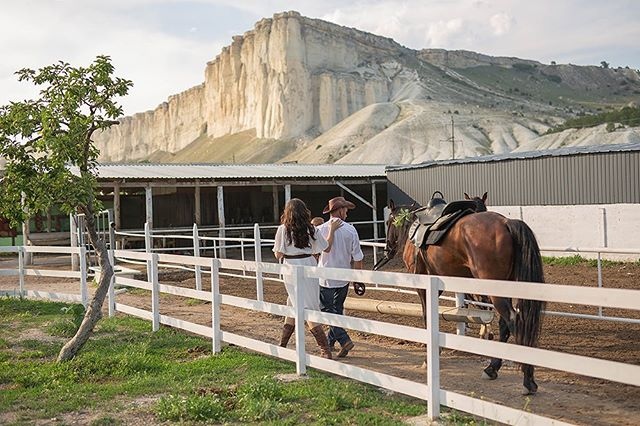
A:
527	154
238	171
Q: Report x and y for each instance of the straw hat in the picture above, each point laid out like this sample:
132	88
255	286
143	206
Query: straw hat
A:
337	203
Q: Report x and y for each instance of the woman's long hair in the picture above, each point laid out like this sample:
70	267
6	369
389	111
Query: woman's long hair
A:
296	219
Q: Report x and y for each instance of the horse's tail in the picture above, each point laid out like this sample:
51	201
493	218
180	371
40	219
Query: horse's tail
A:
527	266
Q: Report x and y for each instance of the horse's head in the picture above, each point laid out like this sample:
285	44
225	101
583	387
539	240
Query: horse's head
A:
398	223
480	202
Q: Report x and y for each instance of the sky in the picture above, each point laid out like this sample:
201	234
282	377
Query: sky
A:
163	45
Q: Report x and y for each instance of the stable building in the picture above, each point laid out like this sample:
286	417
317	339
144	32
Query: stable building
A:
169	196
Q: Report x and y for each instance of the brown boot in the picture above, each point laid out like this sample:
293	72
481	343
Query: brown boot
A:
321	339
287	331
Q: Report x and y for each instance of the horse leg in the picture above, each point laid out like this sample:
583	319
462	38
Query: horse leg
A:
491	372
530	385
422	293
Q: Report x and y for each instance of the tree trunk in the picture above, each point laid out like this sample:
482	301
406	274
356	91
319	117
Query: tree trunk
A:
94	309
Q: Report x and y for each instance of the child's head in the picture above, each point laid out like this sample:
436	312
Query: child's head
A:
317	221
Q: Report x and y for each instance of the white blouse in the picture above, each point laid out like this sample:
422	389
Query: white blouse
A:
282	245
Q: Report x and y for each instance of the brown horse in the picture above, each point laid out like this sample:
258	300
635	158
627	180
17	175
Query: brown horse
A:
480	245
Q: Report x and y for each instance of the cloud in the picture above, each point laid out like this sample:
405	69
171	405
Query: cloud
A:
442	32
501	23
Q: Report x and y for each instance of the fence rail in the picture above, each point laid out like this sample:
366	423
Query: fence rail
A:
432	337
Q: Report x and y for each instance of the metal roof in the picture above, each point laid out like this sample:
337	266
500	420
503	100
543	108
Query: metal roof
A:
238	171
635	146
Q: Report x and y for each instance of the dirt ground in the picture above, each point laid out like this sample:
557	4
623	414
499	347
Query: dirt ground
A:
563	396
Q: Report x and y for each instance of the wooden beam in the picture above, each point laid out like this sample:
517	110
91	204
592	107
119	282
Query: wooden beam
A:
198	219
148	192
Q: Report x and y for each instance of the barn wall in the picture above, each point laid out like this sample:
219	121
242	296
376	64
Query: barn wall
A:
595	178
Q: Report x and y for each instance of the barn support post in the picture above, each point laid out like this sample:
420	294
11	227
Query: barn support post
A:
370	205
433	350
287	193
374	202
196	253
215	306
221	222
197	211
258	258
116	212
148	195
297	274
276	203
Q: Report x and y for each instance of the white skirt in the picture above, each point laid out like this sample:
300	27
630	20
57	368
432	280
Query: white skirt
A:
310	286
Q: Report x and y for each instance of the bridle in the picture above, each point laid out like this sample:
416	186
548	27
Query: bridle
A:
389	249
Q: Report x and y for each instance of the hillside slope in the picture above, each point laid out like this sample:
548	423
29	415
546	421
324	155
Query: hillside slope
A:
306	90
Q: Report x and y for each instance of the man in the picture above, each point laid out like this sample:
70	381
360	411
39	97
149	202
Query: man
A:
344	250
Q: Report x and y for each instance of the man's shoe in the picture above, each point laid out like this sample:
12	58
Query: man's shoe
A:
345	349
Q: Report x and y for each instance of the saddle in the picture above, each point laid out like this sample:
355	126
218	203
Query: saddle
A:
436	218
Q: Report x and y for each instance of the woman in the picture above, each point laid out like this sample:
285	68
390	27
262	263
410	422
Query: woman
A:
297	240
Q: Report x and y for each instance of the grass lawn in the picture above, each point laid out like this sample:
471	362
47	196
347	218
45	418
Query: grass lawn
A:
126	374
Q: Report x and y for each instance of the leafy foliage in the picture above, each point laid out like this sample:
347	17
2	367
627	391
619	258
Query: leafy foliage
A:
41	139
402	218
627	116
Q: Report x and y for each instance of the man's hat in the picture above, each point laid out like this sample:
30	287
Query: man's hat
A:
337	203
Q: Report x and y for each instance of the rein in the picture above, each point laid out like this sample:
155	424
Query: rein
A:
381	262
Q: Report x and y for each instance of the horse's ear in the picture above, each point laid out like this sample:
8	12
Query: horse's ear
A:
391	205
466	196
484	197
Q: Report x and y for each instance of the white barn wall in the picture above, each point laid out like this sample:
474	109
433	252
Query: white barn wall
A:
582	226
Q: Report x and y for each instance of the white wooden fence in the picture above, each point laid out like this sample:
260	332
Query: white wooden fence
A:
432	337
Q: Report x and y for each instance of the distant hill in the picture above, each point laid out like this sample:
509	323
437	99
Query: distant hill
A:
306	90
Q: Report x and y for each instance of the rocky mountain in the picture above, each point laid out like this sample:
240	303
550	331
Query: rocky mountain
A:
306	90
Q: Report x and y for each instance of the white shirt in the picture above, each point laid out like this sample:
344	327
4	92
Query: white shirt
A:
345	248
283	246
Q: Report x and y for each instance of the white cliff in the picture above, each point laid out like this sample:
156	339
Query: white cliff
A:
319	92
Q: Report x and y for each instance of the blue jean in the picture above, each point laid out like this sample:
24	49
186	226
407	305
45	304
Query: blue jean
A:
332	301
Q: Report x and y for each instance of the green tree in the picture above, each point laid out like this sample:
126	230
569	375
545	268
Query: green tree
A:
604	64
51	157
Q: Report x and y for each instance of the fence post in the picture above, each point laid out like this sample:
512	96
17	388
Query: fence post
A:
433	350
21	269
73	233
148	245
258	256
196	253
112	296
297	275
216	340
155	292
460	326
112	259
84	293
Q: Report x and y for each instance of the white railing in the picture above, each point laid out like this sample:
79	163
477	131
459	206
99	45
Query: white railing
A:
251	248
432	337
23	270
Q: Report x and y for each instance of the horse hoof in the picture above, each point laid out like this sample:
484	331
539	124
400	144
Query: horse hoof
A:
526	391
489	374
